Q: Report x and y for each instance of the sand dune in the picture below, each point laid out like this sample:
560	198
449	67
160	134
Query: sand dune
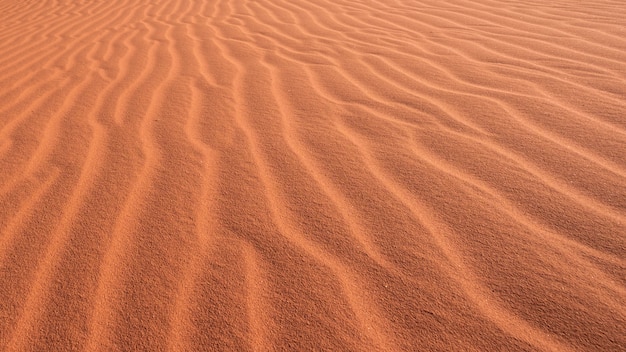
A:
281	175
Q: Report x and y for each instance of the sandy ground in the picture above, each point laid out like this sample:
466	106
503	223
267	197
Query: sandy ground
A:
312	175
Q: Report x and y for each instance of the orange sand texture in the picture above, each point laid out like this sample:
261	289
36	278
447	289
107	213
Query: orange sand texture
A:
312	175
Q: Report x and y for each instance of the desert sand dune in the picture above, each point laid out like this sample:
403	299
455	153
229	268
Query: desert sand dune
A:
314	175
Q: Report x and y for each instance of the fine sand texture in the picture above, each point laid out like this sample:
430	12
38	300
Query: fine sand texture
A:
312	175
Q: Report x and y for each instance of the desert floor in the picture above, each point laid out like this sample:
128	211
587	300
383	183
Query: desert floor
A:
312	175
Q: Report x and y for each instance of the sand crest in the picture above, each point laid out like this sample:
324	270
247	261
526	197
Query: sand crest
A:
312	175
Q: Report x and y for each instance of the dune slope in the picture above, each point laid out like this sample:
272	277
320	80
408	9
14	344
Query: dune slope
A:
280	175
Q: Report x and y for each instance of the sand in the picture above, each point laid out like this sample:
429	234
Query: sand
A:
312	175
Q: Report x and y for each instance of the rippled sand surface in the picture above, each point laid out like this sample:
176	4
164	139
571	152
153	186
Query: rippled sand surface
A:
312	175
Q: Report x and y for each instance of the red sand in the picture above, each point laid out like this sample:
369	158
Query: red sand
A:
312	175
